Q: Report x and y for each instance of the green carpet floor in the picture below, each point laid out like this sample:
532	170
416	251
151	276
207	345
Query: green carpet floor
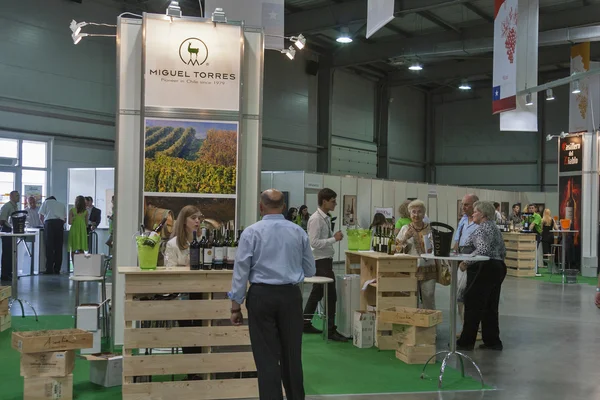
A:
335	368
557	278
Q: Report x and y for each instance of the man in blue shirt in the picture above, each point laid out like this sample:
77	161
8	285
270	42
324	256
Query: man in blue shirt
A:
274	255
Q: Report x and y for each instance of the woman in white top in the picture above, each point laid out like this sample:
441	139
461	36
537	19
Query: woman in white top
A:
177	252
412	240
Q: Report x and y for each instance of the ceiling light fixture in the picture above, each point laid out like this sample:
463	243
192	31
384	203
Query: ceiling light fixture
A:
290	53
344	36
549	95
77	37
76	27
173	10
576	88
465	86
528	99
416	67
299	41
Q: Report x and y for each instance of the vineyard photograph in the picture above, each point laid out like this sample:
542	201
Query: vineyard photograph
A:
183	156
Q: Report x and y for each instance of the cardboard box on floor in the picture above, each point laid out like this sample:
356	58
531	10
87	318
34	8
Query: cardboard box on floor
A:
58	388
413	335
45	365
106	369
88	317
364	329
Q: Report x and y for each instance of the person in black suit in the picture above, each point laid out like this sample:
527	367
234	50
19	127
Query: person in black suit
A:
94	219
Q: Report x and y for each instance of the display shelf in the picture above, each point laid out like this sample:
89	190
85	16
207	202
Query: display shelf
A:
520	253
395	286
225	353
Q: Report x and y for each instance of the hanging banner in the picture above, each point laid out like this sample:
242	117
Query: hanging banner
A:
524	118
379	13
505	67
584	107
270	14
189	64
570	154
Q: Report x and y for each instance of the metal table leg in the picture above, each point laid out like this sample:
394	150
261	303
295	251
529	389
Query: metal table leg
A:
326	313
76	302
452	352
15	283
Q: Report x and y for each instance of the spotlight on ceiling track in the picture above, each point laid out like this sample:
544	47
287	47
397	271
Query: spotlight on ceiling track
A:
290	53
576	88
76	27
549	95
299	41
528	99
173	10
416	67
78	36
344	36
465	86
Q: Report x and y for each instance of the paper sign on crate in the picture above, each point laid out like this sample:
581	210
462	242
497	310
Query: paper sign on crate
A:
364	329
411	316
45	365
48	388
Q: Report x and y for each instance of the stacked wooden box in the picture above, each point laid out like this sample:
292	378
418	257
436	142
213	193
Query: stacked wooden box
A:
520	253
48	360
414	332
5	321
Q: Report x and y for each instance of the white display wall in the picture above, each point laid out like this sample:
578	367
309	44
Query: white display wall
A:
442	201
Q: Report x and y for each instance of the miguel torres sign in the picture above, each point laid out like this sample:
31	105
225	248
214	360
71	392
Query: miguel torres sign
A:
190	64
571	154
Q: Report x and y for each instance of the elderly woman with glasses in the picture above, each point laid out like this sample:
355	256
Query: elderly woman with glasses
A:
484	280
414	239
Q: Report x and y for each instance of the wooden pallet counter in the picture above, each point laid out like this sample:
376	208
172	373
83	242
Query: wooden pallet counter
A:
520	253
395	286
221	371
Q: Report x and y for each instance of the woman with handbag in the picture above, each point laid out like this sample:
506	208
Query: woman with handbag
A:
414	239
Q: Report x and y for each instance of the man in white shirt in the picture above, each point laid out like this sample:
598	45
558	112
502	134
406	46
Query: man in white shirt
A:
322	238
33	216
53	214
5	213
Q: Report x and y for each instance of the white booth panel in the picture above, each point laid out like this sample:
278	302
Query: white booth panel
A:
422	191
376	194
389	196
82	182
105	188
349	187
313	181
364	202
291	182
335	183
130	64
412	191
399	195
253	73
266	181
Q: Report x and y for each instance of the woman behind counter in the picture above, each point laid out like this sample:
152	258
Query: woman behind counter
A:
177	252
403	216
411	240
548	224
302	217
484	280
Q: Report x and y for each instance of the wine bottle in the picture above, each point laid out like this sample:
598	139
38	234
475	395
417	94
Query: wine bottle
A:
384	240
160	225
195	253
208	253
391	243
570	205
203	244
219	254
225	247
231	252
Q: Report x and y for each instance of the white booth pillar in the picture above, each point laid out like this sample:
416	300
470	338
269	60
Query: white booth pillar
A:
129	148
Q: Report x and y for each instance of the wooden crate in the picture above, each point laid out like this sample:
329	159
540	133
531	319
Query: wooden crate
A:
411	316
58	388
415	354
5	292
414	335
520	264
221	371
45	341
520	272
4	307
5	322
45	365
520	254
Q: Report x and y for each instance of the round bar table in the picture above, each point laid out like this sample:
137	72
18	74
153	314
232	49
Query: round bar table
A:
454	261
14	284
563	253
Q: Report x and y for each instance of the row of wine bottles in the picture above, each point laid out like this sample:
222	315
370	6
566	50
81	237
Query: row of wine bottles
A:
214	252
384	240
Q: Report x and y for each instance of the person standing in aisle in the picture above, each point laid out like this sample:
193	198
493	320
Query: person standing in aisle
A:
274	255
53	215
94	220
78	219
465	228
535	226
322	238
33	215
7	249
303	217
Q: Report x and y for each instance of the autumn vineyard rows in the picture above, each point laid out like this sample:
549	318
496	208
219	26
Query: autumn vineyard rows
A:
178	162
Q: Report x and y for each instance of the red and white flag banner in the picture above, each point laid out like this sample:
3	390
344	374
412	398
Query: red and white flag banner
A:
505	55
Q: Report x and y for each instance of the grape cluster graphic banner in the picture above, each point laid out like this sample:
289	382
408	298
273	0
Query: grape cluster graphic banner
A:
506	13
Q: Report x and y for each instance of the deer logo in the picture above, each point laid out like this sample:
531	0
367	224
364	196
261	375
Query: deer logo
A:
193	51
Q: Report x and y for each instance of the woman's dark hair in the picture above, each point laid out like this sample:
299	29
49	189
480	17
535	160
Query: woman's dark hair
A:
378	220
290	213
302	208
80	204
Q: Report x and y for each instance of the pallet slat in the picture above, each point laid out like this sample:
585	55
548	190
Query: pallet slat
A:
389	302
177	283
200	390
168	364
201	336
404	284
178	310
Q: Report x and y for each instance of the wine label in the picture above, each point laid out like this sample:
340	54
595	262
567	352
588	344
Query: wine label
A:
194	257
208	256
231	254
219	254
569	213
